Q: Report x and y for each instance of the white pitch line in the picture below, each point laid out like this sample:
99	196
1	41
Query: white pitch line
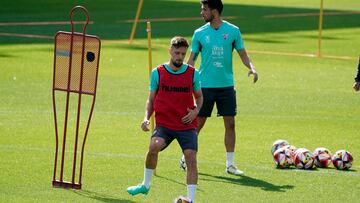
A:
205	162
286	15
43	23
171	19
121	113
26	35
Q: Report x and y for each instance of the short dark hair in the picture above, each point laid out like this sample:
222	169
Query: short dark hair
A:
214	4
178	42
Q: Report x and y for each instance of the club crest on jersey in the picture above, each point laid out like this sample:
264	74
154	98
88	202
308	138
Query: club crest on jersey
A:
226	36
207	39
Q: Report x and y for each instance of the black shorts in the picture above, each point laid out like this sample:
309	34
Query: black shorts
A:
187	139
225	99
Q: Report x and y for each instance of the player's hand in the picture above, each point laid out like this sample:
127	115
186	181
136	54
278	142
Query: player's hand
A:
190	116
145	125
356	86
253	72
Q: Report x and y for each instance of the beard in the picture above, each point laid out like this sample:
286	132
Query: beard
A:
211	17
178	64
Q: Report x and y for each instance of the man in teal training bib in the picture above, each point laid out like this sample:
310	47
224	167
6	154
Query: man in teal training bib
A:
216	41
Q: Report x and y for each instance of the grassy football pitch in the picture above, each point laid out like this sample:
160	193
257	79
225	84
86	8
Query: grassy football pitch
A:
306	100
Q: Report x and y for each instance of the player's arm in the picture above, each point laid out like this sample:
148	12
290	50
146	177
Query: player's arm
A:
149	110
192	58
247	62
198	100
149	106
195	49
192	113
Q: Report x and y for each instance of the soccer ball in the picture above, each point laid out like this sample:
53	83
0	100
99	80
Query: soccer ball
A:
292	149
342	160
283	157
278	144
322	157
182	163
303	159
182	199
300	150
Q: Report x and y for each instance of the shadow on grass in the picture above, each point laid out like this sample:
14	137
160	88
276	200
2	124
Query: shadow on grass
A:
326	170
247	181
177	182
296	169
345	170
170	180
5	55
318	169
101	197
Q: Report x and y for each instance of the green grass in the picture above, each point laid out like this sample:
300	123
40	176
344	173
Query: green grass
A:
307	101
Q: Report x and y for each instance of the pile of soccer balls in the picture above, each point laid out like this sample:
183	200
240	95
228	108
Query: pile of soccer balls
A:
286	155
